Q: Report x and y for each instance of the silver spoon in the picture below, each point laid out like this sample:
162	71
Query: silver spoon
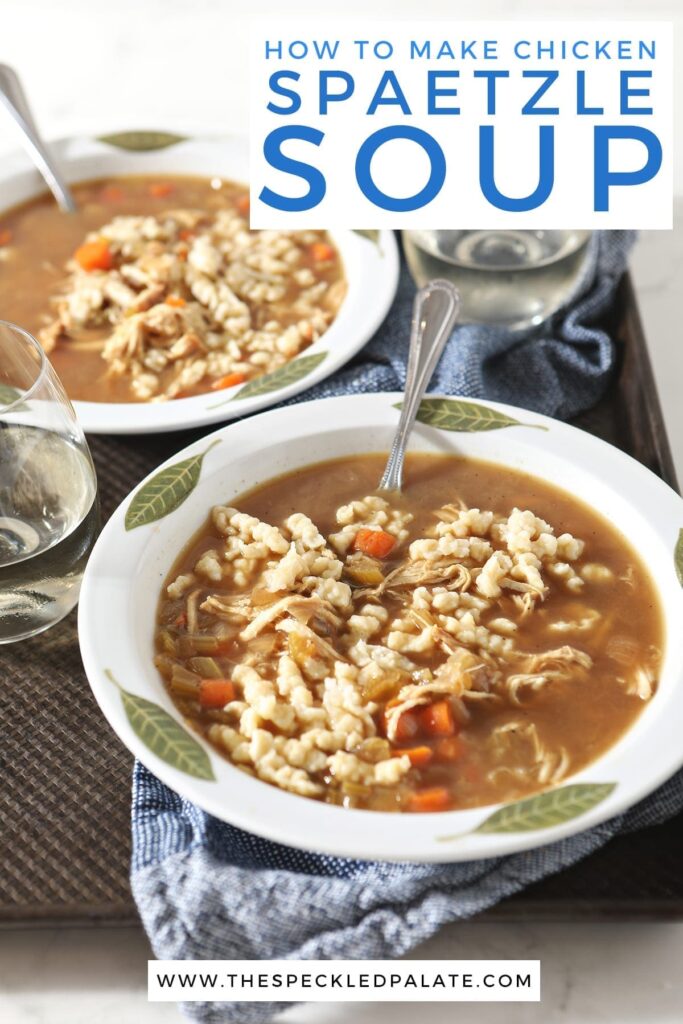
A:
14	99
435	310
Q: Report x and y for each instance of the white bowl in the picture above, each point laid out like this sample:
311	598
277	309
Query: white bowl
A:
125	573
371	268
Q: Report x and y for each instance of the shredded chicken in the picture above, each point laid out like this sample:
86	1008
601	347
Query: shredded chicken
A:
187	297
422	573
301	608
453	678
513	740
559	661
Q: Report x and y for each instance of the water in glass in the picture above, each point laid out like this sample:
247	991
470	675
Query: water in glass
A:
515	279
48	493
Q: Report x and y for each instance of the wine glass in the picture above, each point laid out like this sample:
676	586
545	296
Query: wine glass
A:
49	512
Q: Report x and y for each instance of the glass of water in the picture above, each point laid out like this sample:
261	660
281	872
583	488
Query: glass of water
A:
49	513
514	279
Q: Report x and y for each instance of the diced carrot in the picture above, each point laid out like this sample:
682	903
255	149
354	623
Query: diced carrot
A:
112	194
448	748
408	724
181	620
95	255
407	727
418	756
229	381
321	252
243	203
185	234
5	236
226	645
427	800
175	301
376	543
437	719
216	693
161	189
182	252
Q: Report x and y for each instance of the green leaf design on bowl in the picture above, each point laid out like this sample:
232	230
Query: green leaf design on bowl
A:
371	235
285	375
142	141
545	810
164	736
165	491
465	417
678	557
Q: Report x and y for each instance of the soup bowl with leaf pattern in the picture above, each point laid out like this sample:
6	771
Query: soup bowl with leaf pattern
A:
370	261
142	540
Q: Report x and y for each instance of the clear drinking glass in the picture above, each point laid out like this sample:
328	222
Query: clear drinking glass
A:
49	513
513	279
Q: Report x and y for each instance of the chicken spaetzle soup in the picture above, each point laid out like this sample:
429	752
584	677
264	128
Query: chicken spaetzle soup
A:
156	288
479	638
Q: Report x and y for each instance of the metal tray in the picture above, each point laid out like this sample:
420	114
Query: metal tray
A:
65	794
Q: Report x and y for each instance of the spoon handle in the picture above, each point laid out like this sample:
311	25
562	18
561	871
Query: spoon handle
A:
14	99
435	311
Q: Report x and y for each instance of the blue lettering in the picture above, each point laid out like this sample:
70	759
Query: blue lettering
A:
272	150
606	178
326	49
433	92
581	107
383	49
326	96
420	51
437	174
546	176
396	100
491	77
274	83
548	78
625	92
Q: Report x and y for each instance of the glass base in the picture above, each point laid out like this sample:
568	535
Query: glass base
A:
36	630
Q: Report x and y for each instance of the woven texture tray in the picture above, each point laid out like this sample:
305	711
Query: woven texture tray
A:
65	797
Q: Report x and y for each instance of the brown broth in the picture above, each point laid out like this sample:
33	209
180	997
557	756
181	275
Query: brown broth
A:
38	239
585	713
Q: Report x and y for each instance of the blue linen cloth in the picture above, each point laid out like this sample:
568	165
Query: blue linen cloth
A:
207	890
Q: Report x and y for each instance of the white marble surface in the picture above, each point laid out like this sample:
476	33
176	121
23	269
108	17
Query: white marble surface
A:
90	65
591	974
